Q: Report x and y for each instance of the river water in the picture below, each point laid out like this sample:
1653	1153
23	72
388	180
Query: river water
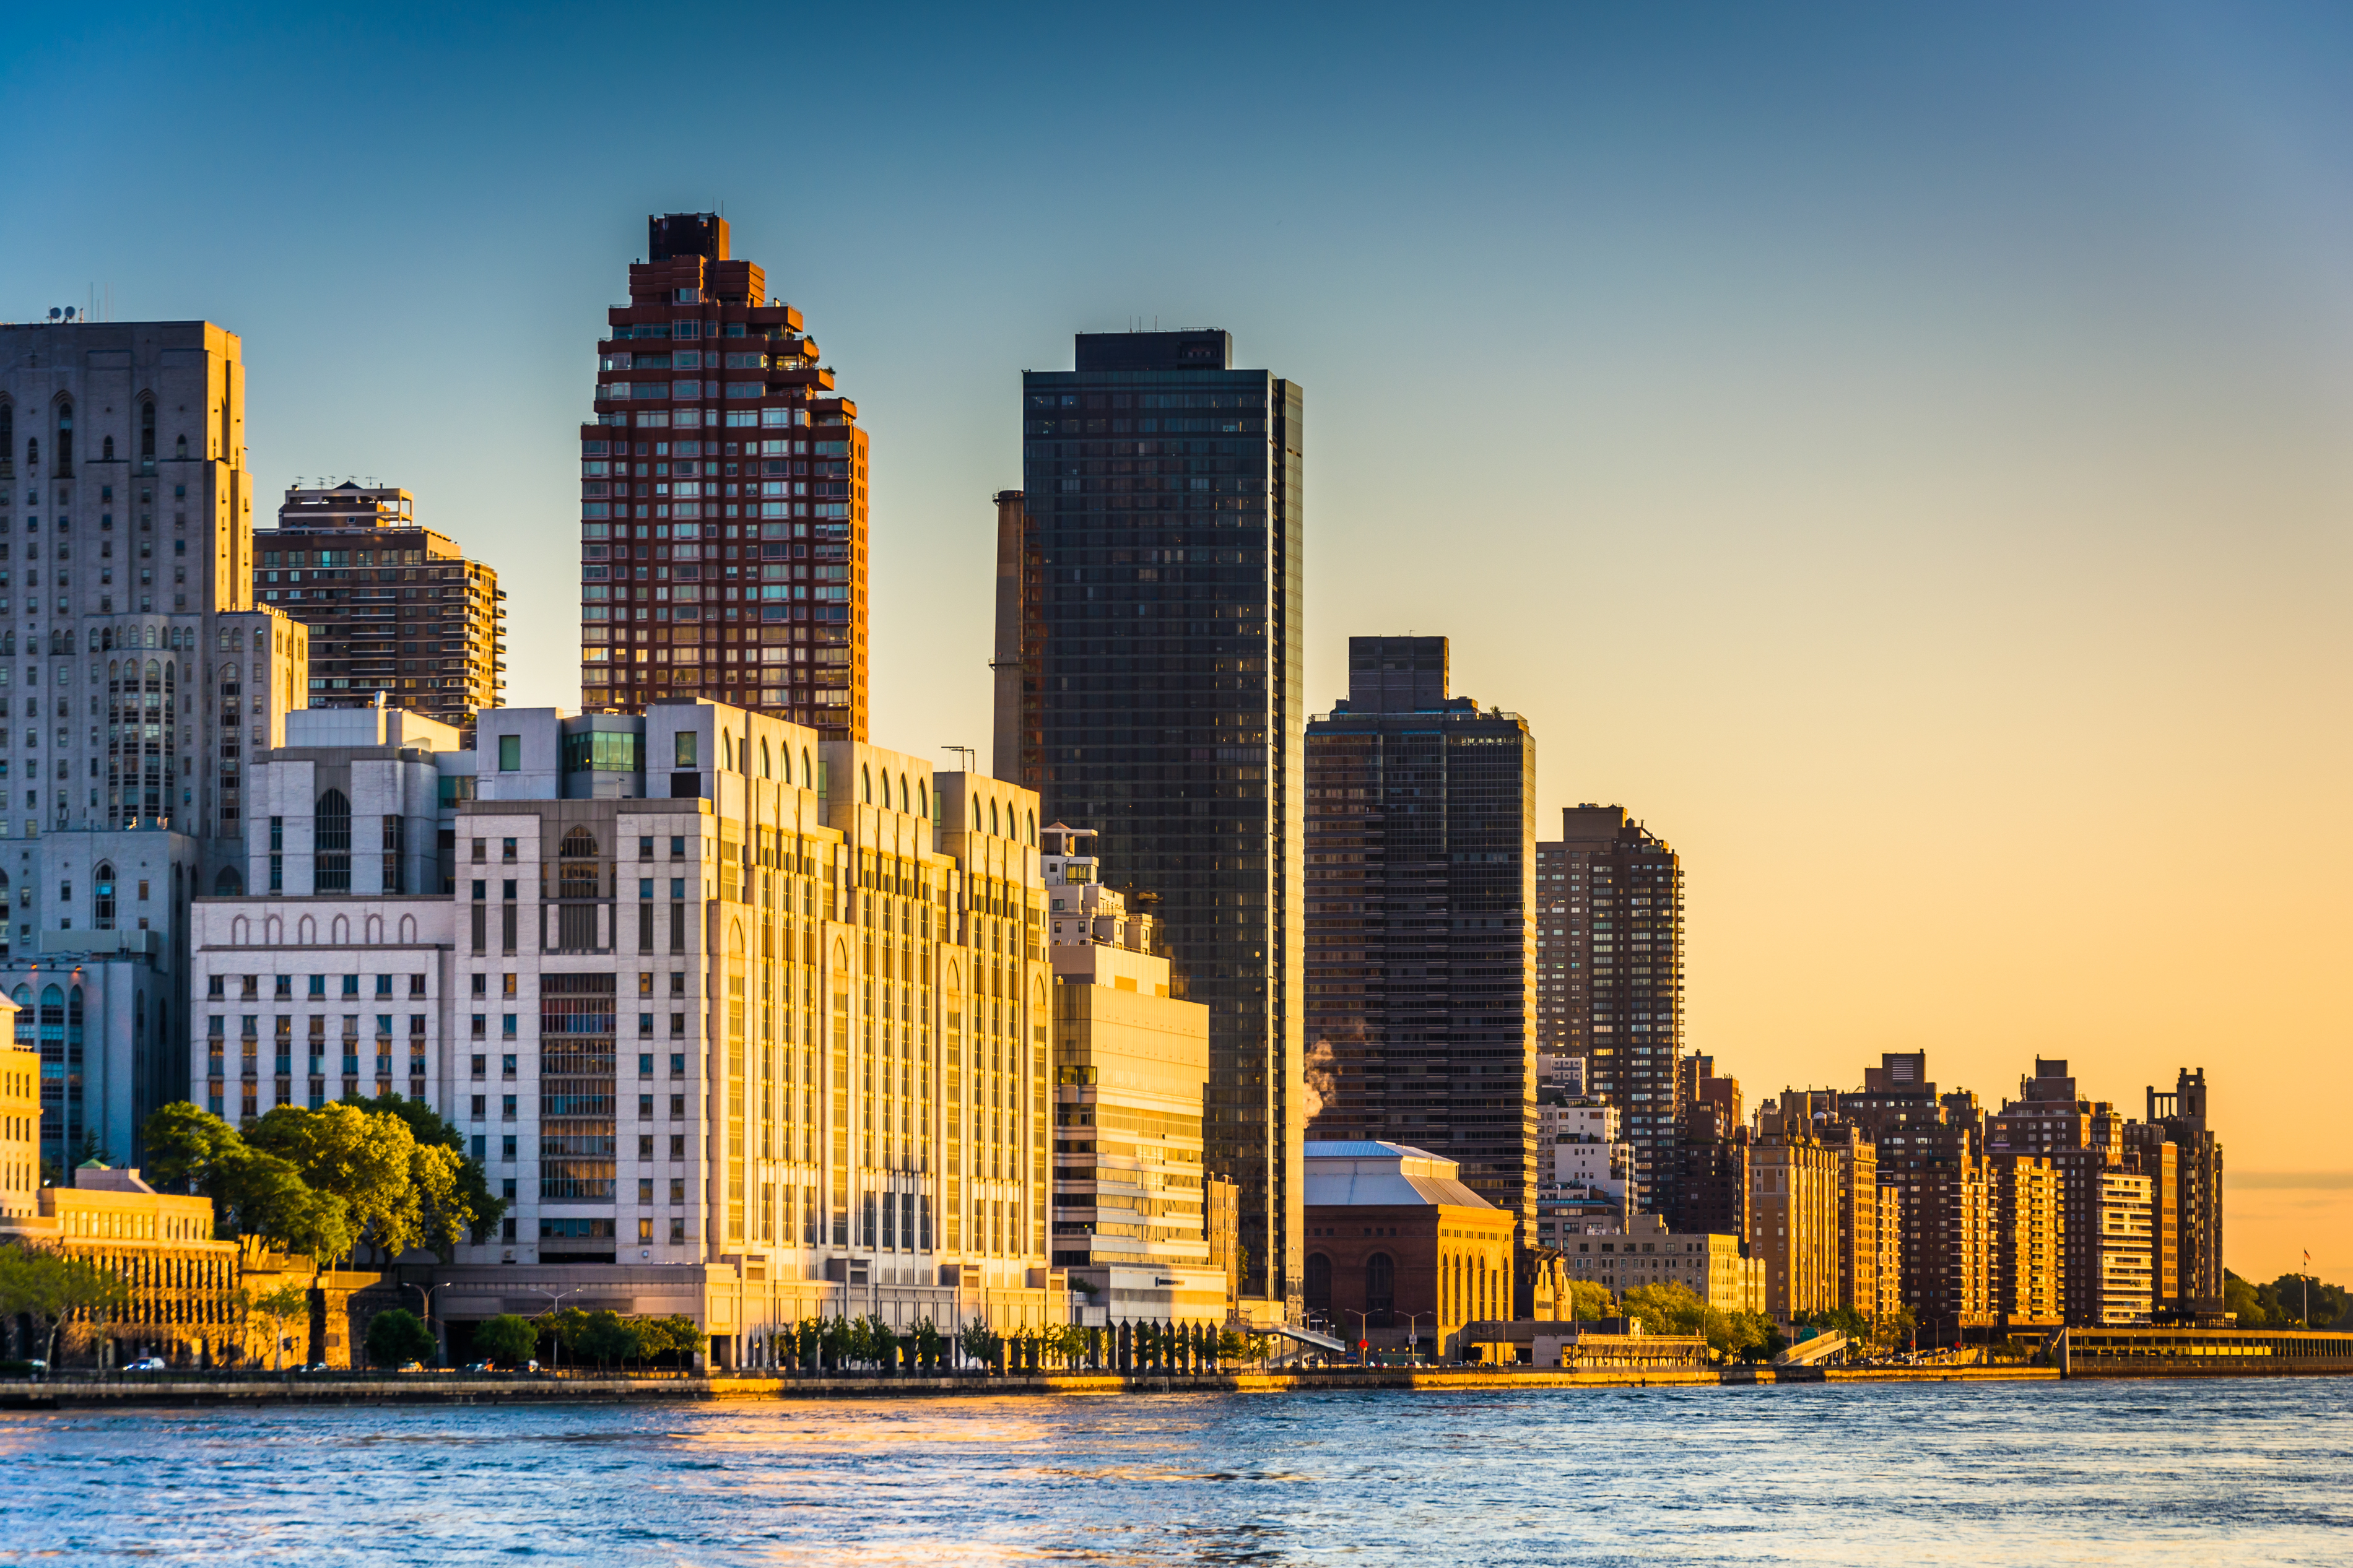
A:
2253	1471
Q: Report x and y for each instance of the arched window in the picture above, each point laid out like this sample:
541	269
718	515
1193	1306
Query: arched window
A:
107	450
866	785
228	884
1380	1289
102	891
147	432
764	760
7	434
65	439
922	798
27	1021
578	844
726	751
1033	830
1319	1283
992	820
808	774
906	801
180	449
333	872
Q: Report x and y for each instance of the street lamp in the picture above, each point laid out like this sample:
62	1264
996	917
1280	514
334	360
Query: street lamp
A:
426	1291
1413	1336
1364	1333
554	1301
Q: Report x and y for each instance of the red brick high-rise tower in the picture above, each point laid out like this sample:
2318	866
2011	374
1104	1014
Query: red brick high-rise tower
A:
722	499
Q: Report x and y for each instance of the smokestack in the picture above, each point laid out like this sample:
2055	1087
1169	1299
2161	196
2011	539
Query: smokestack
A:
1005	664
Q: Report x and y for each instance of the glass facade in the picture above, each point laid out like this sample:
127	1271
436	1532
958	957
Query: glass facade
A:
1160	702
1420	839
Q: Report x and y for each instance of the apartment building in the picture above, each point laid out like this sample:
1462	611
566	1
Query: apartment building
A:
723	498
1420	936
396	611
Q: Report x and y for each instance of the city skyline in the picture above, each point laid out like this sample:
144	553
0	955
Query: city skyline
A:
1953	546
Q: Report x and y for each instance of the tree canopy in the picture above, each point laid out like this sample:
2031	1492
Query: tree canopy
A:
324	1182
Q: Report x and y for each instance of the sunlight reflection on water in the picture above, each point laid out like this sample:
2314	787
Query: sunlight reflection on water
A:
2238	1472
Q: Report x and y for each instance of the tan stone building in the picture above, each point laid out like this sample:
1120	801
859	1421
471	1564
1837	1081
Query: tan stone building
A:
183	1301
1131	1062
1794	1184
2025	1244
1716	1268
20	1125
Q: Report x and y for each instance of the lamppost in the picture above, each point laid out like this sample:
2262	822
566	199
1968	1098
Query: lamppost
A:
1413	1336
426	1291
554	1300
1364	1331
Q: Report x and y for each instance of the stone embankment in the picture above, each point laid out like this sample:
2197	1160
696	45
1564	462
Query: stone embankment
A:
458	1388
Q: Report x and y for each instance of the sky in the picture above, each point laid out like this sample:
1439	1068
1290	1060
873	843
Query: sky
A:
1898	452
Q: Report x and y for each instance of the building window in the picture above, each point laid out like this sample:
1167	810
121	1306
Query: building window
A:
333	871
1319	1283
1380	1289
103	907
510	753
396	849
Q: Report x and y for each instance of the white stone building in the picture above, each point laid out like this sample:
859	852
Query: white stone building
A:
702	992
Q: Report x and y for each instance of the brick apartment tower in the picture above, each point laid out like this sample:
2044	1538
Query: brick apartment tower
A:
723	499
1420	941
393	609
1609	956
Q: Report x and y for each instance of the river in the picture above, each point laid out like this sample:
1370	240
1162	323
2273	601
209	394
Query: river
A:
2225	1471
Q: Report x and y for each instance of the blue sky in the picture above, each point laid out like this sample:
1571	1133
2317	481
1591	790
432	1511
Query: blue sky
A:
1896	451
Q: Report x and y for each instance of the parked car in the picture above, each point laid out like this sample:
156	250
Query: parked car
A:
410	1366
148	1364
480	1366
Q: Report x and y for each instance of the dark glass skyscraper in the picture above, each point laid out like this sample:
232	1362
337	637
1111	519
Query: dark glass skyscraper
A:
1149	686
1420	931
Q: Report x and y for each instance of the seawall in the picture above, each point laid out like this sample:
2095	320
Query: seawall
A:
440	1388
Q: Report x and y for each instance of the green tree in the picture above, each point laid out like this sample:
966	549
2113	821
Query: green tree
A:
278	1305
565	1329
977	1340
366	1160
929	1344
507	1340
182	1144
1669	1308
683	1336
397	1337
54	1288
1588	1299
606	1338
264	1197
467	1205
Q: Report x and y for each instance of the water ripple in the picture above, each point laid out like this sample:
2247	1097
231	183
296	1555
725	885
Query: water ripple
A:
2146	1473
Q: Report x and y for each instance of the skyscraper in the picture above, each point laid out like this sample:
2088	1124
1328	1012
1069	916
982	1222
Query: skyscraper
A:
1609	951
722	499
394	608
1420	942
1157	699
125	497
